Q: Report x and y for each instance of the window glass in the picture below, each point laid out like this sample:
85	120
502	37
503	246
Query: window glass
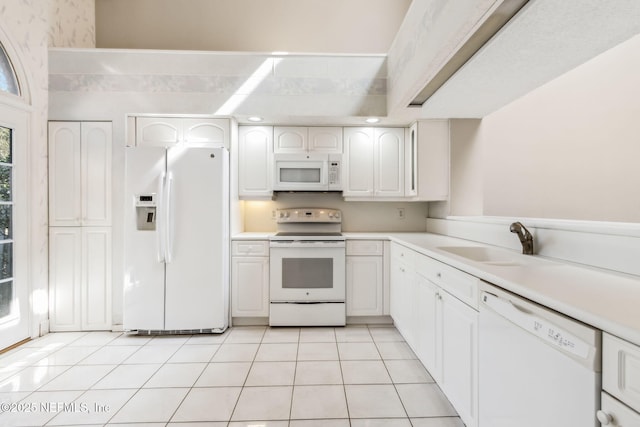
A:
8	80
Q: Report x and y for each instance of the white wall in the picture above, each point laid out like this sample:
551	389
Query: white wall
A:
72	23
569	149
317	26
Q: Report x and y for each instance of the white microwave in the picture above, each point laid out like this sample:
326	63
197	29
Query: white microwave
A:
307	172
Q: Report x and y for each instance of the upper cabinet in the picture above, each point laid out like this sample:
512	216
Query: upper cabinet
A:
255	162
427	160
373	162
290	139
80	173
387	164
168	131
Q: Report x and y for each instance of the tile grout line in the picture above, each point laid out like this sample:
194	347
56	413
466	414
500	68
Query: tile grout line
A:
393	382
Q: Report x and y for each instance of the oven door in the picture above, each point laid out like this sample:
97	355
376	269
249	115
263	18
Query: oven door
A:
301	172
307	271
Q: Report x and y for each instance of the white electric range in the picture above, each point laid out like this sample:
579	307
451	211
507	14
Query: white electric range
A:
307	269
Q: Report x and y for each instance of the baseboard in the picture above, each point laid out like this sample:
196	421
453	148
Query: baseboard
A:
369	320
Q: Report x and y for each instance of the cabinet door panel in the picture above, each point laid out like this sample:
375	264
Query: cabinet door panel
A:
427	325
250	286
289	139
460	357
255	161
364	286
621	415
96	280
325	139
96	173
205	132
358	162
389	162
65	184
158	131
65	276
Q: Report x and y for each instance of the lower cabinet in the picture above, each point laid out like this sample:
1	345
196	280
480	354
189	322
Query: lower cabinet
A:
428	322
250	279
80	278
620	383
365	280
459	364
440	328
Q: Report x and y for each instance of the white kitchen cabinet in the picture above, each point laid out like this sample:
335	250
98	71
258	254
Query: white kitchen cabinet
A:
298	139
358	162
80	173
365	280
373	162
250	279
440	328
427	160
255	162
616	414
80	278
620	382
402	291
428	321
325	139
458	342
389	162
168	131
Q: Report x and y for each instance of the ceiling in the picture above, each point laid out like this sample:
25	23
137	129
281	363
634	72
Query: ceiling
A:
296	26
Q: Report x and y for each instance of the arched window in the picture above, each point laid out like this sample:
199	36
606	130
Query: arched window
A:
8	80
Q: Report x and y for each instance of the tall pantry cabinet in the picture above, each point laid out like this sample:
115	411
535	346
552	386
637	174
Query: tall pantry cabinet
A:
80	226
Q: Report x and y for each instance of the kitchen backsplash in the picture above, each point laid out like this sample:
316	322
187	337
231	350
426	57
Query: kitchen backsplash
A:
357	216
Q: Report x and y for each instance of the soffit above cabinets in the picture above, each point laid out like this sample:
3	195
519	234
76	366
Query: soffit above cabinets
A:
545	39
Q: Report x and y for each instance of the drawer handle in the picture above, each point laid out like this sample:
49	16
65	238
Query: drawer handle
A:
604	418
438	275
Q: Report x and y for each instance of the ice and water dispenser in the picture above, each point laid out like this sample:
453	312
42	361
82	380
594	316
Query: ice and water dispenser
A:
146	211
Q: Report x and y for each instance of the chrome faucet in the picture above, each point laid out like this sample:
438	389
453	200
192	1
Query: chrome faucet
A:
525	237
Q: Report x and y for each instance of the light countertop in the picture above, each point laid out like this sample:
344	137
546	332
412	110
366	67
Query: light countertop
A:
606	300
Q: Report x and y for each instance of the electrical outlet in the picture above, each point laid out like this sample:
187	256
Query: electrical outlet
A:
400	213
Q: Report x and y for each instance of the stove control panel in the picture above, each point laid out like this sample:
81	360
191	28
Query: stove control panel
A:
306	215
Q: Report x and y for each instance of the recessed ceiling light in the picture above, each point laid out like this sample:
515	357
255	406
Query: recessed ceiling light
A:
254	119
372	120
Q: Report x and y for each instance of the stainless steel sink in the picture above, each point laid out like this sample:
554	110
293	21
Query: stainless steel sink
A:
484	255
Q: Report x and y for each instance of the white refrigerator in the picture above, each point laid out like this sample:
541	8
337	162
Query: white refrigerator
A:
176	239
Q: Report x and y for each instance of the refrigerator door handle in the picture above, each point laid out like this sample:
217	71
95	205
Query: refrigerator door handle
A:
169	219
160	237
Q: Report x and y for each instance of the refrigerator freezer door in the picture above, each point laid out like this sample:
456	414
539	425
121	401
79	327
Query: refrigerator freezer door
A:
197	267
144	271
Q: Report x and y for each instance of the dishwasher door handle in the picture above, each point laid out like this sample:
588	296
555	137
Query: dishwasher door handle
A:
542	328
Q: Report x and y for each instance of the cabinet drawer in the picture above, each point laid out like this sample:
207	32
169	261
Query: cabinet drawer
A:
403	254
249	248
620	414
621	370
458	283
364	247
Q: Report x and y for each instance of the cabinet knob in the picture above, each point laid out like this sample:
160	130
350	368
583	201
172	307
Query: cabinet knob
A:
604	418
438	275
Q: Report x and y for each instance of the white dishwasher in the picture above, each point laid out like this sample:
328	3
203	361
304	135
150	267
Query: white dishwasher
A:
537	367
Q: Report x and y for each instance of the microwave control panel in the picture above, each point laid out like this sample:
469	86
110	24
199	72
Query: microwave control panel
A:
334	172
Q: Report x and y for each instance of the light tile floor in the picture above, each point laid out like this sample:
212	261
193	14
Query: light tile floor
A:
358	376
